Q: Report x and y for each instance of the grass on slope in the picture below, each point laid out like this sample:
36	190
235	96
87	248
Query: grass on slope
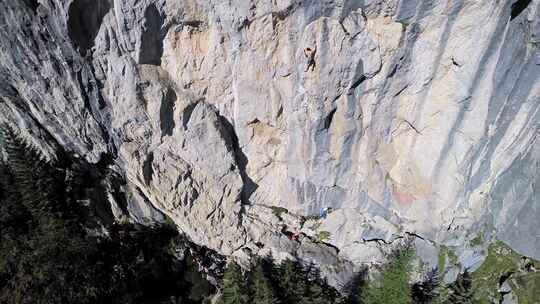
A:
502	260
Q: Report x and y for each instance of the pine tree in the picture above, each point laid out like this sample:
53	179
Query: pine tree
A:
37	264
392	286
234	288
461	291
426	292
314	295
46	255
13	215
261	288
292	281
35	180
317	291
353	289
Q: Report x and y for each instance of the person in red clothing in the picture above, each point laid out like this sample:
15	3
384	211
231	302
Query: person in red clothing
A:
296	235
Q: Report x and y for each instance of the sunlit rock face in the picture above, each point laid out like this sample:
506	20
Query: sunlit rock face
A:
415	119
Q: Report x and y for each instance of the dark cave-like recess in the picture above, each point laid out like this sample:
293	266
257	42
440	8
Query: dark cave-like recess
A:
152	37
84	20
32	4
518	7
328	119
148	171
167	113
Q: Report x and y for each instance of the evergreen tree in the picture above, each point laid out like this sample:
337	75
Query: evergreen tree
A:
299	284
426	292
38	184
354	288
461	291
318	291
261	287
315	294
37	265
392	286
234	288
292	281
46	254
13	215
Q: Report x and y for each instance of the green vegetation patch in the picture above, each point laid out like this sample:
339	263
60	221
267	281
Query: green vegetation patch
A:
452	257
323	236
527	287
477	241
442	260
313	217
444	254
268	283
501	261
167	221
49	252
392	285
278	211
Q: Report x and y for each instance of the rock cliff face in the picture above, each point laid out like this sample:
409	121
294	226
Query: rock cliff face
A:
418	119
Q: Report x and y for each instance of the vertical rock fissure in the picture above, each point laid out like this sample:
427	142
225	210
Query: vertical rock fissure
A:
328	119
148	170
186	114
152	37
88	91
166	113
249	186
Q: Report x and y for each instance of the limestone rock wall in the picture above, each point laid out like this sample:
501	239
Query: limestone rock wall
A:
420	119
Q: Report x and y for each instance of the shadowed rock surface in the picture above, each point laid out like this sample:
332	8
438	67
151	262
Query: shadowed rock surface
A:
419	120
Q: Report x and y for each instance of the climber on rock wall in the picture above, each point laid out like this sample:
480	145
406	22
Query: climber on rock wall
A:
310	56
324	212
296	235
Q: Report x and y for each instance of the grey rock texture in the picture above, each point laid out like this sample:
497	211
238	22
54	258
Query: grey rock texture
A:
420	119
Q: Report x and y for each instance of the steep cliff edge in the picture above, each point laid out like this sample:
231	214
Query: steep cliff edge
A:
415	119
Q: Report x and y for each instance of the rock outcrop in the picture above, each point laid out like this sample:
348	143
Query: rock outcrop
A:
419	119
